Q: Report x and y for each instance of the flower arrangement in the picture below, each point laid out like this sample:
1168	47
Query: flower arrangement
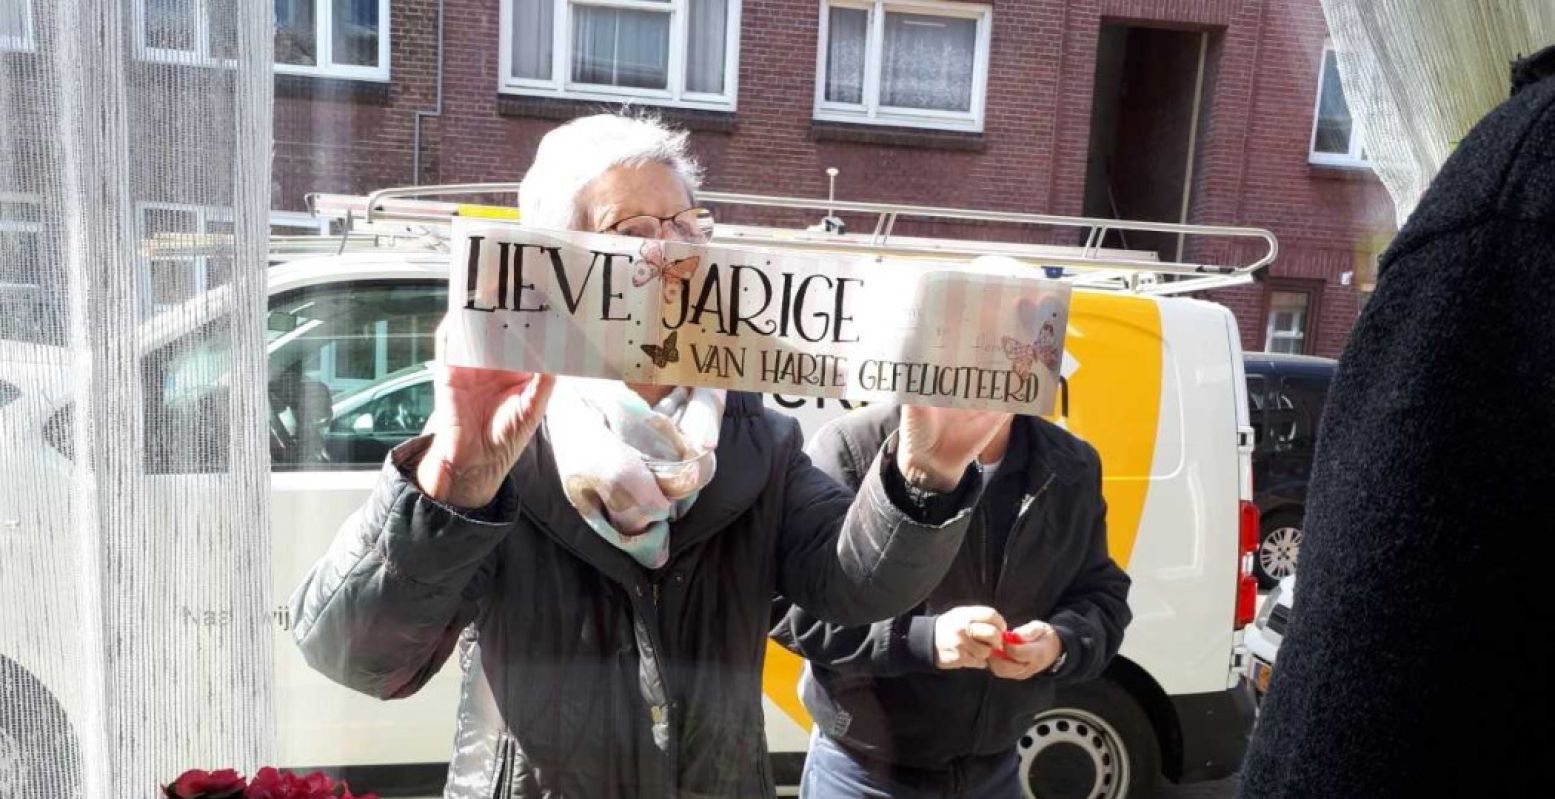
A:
267	783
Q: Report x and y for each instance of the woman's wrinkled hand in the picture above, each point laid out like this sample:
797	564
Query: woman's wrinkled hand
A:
937	444
482	422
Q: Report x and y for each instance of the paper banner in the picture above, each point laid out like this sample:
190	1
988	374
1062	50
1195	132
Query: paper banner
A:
751	319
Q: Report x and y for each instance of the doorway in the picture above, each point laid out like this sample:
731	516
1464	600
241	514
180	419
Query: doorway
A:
1145	121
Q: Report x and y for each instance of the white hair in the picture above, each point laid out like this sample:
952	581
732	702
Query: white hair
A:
573	155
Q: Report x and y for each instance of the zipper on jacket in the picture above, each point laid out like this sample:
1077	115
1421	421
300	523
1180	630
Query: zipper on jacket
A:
980	517
1009	541
504	787
663	713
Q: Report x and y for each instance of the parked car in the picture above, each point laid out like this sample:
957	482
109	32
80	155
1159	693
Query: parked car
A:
1268	630
1285	396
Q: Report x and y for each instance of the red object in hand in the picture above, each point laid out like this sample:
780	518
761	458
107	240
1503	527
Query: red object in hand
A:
1010	637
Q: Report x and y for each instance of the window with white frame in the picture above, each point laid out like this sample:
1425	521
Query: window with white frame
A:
335	38
22	268
332	38
664	52
202	32
1287	322
187	252
16	24
1336	139
917	63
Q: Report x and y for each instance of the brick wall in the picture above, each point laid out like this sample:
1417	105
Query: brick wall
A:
1250	169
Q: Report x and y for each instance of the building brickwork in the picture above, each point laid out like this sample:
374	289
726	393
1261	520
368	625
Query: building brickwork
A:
1250	164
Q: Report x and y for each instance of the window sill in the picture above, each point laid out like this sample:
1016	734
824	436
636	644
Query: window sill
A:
563	109
324	87
893	136
1353	172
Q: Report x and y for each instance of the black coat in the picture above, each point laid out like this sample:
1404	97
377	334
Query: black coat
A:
592	677
1418	659
876	689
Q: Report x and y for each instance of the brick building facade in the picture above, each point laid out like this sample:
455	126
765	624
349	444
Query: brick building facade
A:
1085	107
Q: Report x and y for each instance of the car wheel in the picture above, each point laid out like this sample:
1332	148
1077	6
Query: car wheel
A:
1279	544
1094	743
38	753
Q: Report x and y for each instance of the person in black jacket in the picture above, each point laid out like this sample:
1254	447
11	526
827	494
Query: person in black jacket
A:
1417	661
935	701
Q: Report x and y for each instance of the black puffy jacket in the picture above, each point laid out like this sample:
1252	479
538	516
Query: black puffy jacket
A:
588	676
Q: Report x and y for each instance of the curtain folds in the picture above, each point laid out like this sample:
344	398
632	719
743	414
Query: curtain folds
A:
135	635
1419	73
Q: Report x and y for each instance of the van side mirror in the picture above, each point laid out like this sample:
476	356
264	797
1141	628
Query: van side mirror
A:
363	423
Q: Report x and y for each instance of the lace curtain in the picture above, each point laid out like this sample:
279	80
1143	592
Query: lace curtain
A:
622	46
135	639
1419	73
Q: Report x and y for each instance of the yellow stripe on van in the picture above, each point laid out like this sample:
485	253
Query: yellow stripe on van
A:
1116	342
489	212
780	682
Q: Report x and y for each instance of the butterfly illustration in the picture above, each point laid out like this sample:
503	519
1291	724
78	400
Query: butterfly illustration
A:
1044	350
655	264
1021	355
665	354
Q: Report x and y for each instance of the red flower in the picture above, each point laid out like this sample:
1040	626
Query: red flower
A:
194	784
268	783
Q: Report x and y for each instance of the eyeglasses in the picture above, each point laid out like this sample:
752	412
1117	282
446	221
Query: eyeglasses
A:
692	224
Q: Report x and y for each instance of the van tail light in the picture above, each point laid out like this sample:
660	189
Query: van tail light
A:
1247	549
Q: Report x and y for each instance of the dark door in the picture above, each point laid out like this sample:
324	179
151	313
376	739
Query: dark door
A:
1294	415
1144	128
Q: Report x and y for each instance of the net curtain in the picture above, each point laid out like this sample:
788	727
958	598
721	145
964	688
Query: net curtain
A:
1419	73
134	554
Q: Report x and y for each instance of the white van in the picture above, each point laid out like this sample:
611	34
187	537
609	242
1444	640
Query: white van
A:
1154	382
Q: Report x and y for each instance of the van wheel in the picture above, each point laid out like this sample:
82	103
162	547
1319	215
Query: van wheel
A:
1094	743
38	752
1279	544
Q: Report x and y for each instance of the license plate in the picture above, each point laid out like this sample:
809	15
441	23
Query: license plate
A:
1261	672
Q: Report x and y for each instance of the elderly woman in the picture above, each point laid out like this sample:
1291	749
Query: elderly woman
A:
611	585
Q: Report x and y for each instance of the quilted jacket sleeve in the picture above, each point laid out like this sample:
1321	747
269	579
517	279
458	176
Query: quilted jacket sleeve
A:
856	560
382	610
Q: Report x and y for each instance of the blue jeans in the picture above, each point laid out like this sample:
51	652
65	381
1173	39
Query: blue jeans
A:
832	772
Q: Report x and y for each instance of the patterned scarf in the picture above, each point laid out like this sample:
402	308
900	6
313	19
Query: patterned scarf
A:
631	469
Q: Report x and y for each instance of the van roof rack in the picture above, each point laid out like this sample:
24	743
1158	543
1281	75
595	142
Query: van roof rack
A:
400	217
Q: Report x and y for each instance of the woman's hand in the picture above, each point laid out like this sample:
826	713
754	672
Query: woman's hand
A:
937	444
482	422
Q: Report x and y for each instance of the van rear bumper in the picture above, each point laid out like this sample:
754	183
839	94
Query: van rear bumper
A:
1215	730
